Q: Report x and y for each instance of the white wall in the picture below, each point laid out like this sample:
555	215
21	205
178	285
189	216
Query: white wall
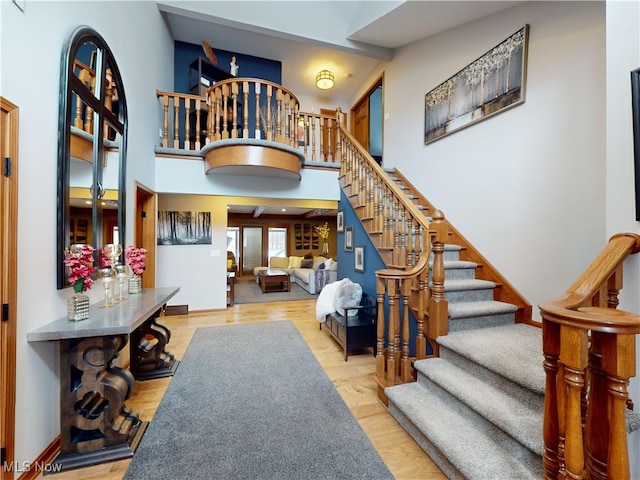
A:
31	46
623	55
527	187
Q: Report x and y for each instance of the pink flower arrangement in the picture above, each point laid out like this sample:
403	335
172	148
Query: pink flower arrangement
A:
135	258
79	261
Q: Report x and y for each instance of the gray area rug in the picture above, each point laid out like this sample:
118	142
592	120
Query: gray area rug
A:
248	291
252	402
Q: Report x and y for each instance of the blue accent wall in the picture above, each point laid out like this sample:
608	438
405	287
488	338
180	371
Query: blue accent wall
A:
249	66
372	262
346	260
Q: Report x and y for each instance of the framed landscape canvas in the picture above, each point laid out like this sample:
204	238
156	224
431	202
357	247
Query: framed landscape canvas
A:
184	228
485	87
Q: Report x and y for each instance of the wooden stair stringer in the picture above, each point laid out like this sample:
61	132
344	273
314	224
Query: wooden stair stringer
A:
504	291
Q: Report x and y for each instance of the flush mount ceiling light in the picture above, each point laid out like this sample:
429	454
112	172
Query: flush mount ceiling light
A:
325	79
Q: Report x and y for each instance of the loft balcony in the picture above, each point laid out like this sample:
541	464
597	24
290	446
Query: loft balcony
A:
247	126
240	126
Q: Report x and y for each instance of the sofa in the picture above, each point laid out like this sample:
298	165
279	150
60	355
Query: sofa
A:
310	272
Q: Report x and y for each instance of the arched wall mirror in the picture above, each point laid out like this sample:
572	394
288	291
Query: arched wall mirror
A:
92	147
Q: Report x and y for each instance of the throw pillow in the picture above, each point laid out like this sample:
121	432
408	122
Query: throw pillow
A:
294	262
328	264
306	263
279	262
317	261
229	264
308	255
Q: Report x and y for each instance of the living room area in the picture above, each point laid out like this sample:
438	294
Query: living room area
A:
280	253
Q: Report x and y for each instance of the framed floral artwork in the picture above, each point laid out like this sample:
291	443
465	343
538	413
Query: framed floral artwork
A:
340	221
348	239
358	259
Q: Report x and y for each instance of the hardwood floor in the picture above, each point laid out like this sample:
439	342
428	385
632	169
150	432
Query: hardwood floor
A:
353	379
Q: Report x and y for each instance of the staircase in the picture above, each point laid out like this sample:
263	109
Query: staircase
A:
477	409
493	398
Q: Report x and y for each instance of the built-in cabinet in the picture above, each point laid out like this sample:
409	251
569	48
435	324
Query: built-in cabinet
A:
203	74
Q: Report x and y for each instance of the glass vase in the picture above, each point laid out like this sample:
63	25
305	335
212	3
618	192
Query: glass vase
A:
135	284
78	304
121	277
325	247
105	275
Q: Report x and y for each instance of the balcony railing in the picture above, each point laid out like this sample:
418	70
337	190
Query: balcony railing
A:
246	108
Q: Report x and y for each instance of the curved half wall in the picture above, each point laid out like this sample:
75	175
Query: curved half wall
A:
248	156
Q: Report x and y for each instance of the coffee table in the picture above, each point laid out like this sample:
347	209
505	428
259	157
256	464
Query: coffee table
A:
274	281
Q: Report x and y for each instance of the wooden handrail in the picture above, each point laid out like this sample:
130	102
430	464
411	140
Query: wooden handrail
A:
399	228
253	108
589	357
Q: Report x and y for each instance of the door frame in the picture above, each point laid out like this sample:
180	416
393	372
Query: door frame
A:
144	229
379	81
9	279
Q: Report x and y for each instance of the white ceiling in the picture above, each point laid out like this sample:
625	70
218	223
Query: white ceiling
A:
349	37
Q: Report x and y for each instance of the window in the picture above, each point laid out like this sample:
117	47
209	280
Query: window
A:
233	242
277	242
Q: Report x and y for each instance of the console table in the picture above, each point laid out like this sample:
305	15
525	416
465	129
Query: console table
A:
95	424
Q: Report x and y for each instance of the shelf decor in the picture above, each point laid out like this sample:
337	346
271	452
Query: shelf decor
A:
79	262
323	232
489	85
135	259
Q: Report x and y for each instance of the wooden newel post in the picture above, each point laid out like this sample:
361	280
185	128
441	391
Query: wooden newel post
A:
438	323
338	152
380	357
573	356
551	351
618	362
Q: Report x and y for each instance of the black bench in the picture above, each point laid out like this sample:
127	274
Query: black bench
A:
356	331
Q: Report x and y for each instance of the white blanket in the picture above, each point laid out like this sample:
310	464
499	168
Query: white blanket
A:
325	302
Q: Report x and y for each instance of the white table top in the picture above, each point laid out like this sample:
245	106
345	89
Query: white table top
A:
122	318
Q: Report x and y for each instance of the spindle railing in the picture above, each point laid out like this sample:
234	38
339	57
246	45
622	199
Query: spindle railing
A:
246	108
83	113
407	241
589	357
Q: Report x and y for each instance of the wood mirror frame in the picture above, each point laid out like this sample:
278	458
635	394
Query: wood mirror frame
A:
92	147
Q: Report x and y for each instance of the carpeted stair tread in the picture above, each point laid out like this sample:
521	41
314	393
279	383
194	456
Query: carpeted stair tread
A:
475	309
459	284
513	351
458	264
477	453
518	417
